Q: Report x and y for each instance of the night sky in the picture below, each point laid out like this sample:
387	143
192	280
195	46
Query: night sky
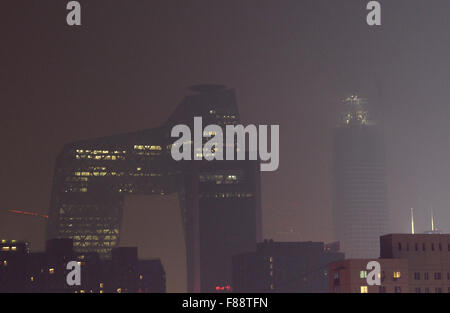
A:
291	62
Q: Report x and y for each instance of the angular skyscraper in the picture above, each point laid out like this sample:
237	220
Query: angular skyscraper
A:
359	181
219	200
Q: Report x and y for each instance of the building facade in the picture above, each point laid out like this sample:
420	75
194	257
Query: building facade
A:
428	257
219	200
410	263
359	181
350	276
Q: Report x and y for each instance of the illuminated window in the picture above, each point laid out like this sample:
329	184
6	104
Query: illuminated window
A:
141	277
31	278
397	275
51	270
364	289
363	274
119	290
5	248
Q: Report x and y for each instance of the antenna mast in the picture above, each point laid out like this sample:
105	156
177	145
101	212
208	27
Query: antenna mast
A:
432	220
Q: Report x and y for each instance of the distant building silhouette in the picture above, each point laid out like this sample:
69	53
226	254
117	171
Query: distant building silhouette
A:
359	181
22	271
219	200
284	267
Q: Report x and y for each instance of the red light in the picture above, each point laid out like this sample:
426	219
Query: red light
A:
223	288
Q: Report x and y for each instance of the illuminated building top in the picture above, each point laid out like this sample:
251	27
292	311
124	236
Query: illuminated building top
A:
355	112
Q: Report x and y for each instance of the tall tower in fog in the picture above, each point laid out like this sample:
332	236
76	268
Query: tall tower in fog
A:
359	181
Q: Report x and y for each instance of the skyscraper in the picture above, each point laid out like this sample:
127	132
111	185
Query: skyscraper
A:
359	181
219	200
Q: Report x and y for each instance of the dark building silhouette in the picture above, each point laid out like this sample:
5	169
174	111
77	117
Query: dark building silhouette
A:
359	181
22	271
293	267
219	200
12	264
127	274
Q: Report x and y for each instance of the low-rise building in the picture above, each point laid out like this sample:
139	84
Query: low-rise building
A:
290	267
350	276
22	271
410	263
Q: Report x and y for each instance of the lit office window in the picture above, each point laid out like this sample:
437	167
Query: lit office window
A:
364	289
363	274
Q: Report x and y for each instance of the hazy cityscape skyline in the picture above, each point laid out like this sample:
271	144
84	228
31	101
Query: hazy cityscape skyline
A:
291	63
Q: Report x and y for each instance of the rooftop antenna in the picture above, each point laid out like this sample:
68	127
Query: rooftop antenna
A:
412	221
434	229
432	220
